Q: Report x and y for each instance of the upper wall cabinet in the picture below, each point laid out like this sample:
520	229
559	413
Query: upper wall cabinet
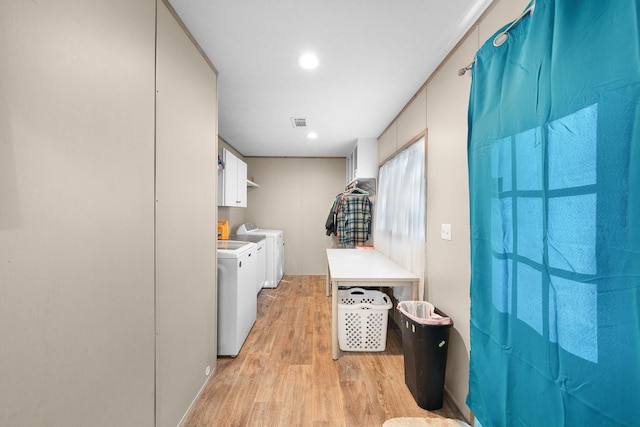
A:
232	180
362	162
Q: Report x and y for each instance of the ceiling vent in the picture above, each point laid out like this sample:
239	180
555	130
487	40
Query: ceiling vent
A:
299	122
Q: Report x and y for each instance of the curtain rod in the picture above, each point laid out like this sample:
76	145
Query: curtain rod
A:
463	70
503	35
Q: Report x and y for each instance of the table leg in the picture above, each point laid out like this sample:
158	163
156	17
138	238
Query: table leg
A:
328	287
334	320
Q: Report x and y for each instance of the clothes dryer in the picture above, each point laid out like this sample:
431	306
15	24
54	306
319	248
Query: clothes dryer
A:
274	251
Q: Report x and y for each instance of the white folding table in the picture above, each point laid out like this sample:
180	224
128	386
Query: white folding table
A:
362	267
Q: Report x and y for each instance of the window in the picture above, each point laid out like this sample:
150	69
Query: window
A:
399	228
544	230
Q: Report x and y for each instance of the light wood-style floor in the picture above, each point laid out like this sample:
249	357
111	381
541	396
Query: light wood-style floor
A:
285	376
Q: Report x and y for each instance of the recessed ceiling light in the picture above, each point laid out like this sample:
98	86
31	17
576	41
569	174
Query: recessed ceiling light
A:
312	135
308	61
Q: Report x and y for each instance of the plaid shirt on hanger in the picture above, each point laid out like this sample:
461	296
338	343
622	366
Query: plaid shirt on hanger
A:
354	220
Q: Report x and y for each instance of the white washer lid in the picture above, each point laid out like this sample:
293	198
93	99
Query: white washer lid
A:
231	245
268	232
251	228
233	248
247	228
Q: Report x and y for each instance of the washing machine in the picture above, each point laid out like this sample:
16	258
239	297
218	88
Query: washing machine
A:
237	300
274	251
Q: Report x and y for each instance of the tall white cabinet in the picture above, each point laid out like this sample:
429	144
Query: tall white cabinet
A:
232	180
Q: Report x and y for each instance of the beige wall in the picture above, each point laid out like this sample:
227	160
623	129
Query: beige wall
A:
444	101
407	127
186	144
448	267
77	232
295	195
76	239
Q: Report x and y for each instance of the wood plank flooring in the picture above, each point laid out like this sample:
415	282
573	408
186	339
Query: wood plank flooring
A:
284	374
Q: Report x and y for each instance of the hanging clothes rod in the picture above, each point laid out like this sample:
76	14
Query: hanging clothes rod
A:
354	187
502	36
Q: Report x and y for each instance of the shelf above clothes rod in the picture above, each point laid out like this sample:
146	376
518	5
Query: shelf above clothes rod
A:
366	184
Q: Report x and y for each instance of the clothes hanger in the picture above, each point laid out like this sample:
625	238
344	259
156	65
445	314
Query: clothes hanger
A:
353	190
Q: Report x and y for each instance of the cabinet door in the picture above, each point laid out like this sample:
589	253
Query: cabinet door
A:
230	183
351	166
241	184
227	180
366	159
362	162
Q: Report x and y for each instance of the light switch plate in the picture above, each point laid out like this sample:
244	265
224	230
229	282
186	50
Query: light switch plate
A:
445	232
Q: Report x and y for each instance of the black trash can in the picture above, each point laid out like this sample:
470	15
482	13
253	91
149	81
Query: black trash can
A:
425	341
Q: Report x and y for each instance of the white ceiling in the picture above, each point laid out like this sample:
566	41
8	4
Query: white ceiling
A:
374	56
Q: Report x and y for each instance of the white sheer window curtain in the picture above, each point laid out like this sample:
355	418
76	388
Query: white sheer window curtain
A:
399	227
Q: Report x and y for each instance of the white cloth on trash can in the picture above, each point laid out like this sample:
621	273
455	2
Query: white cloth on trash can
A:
422	312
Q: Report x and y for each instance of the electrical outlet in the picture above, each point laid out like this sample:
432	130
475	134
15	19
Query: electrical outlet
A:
445	232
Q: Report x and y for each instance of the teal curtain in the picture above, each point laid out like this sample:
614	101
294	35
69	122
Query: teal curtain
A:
554	172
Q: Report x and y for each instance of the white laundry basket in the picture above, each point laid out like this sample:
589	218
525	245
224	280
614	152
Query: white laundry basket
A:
362	319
